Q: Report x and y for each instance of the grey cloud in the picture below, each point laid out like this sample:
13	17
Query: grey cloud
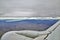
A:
30	8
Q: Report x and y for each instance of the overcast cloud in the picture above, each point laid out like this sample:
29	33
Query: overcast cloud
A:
30	8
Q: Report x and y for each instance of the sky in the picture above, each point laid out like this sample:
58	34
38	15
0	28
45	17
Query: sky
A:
30	8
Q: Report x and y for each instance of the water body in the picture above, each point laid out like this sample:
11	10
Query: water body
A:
30	24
